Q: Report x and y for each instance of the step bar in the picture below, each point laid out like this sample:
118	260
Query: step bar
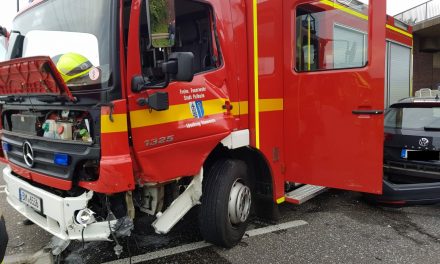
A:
304	193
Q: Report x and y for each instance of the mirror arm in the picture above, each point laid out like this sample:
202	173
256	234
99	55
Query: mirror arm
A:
140	85
168	67
161	85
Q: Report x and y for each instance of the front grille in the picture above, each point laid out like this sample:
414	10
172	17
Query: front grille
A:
44	151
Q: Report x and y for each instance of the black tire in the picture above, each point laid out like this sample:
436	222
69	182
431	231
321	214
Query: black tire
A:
3	238
214	219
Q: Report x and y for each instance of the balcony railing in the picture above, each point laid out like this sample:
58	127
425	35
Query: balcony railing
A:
420	13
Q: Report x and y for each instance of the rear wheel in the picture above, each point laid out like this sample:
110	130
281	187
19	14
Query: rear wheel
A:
226	203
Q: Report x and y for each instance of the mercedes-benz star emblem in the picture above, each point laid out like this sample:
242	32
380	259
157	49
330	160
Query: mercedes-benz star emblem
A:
423	142
28	154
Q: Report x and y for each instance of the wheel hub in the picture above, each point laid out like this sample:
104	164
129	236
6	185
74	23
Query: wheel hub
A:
239	203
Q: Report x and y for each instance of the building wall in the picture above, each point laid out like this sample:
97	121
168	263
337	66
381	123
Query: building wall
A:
426	68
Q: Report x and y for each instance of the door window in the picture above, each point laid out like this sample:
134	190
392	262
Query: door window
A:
327	39
194	32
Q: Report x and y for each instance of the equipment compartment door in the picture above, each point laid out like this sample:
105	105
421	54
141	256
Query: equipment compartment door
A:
334	94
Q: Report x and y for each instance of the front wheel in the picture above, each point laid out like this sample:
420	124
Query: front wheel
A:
226	203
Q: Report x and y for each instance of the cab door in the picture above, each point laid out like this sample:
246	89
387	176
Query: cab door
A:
175	142
334	89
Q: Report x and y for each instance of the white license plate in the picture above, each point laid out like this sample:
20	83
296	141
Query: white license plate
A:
31	200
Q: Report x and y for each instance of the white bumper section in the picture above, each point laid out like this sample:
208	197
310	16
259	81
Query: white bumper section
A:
58	213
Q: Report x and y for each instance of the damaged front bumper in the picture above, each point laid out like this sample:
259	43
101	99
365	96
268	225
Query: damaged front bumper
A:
58	213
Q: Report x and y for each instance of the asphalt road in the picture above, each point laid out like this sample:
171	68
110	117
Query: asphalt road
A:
341	228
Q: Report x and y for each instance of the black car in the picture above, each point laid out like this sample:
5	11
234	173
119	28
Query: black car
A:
412	152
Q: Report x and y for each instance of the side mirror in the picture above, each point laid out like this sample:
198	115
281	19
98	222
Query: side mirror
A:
162	22
179	67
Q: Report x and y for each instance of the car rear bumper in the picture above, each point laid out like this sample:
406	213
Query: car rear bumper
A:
418	193
58	213
412	169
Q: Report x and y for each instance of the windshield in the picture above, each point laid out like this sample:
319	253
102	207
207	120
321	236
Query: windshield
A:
415	118
75	34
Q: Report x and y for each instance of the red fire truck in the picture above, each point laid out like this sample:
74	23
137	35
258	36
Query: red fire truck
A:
114	108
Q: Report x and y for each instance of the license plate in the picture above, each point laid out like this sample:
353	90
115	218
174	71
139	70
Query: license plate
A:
404	154
31	200
422	155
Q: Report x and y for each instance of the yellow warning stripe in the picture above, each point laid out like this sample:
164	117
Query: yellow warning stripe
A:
344	9
256	91
265	105
119	123
240	108
403	32
269	105
181	112
309	42
361	16
281	200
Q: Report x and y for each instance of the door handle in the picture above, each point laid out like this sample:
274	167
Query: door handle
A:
367	112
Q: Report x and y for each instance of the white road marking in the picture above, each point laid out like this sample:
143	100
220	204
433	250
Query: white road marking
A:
203	244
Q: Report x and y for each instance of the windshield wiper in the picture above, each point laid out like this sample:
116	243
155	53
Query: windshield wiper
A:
11	99
51	98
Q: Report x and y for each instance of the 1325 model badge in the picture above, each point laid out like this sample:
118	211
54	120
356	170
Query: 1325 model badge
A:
159	141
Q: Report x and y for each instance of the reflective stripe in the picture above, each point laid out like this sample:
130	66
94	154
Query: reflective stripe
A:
403	32
119	123
362	16
256	91
180	112
240	108
309	40
266	105
281	200
345	9
269	105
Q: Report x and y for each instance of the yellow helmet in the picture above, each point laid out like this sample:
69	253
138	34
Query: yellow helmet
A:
72	65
